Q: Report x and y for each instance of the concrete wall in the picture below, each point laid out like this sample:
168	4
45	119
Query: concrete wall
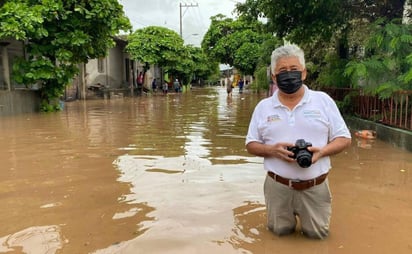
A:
93	76
396	137
116	69
10	49
19	102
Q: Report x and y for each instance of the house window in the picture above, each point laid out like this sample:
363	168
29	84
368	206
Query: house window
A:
100	65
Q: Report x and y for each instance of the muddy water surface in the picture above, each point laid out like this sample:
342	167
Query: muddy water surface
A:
169	174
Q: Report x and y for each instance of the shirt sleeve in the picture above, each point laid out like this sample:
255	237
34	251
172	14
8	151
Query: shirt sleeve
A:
253	131
338	127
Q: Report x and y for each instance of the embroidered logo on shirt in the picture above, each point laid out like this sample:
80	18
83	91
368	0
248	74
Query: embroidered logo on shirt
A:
314	113
273	118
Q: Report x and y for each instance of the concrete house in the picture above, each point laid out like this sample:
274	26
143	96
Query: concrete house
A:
113	76
14	98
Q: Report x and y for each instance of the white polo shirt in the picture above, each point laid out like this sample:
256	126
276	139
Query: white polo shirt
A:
316	119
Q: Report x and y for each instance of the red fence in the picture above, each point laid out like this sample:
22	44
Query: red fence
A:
395	111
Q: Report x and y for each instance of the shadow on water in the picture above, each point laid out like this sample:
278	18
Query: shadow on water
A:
170	174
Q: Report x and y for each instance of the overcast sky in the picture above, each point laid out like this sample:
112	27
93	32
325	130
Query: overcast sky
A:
166	13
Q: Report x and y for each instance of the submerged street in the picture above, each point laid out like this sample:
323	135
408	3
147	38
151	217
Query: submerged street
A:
170	174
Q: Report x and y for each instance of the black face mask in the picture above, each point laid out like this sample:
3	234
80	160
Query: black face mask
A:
289	81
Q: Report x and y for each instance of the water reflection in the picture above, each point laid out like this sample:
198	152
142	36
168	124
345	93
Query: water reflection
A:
187	203
170	174
40	239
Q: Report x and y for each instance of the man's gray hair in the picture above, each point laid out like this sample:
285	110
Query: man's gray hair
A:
285	51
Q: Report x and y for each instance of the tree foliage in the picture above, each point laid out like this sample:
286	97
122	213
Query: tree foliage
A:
261	73
156	45
58	35
306	20
203	66
234	42
215	42
164	47
386	65
298	21
347	42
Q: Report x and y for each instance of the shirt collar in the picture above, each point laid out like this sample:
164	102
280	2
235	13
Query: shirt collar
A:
277	103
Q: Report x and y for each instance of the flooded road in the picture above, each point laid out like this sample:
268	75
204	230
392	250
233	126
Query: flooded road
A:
170	174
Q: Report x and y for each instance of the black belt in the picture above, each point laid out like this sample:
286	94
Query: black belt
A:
298	184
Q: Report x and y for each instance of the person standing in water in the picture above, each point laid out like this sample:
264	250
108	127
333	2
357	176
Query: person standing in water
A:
296	131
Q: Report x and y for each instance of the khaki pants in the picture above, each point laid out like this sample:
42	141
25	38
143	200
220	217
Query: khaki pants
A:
312	206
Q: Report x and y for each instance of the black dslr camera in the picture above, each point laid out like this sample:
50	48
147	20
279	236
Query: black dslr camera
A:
300	152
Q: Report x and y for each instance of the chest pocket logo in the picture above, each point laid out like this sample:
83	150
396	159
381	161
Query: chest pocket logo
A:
312	114
273	118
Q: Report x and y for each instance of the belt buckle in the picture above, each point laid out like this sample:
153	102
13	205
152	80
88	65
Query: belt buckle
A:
292	181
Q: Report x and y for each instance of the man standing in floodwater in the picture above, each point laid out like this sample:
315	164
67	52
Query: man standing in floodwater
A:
295	131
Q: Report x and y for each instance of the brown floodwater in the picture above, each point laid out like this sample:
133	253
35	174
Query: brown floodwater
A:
170	174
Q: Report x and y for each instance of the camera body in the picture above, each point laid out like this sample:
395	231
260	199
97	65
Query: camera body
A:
301	153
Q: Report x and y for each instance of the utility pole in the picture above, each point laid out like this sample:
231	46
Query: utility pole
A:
181	15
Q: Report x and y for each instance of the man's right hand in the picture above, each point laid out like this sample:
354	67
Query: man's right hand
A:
278	150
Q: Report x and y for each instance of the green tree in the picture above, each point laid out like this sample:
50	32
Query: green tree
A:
203	68
262	77
156	45
234	42
386	65
164	47
298	20
305	20
58	35
214	42
347	42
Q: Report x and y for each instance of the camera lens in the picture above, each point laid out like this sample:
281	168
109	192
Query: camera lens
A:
304	159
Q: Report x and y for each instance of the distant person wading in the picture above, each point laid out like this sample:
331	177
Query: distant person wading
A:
229	87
